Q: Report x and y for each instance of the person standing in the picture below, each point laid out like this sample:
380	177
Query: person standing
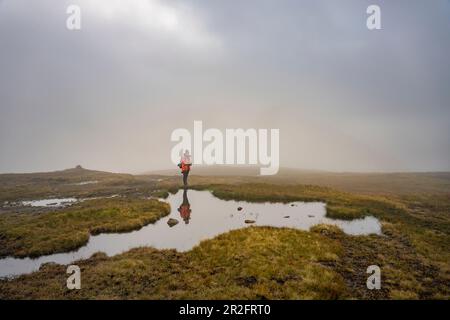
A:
185	166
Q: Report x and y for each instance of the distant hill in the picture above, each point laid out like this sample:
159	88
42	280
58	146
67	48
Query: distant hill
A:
73	175
399	182
408	182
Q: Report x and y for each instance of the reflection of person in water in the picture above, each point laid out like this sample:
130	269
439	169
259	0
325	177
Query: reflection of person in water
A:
185	208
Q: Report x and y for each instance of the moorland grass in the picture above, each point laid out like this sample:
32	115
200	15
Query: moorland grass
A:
257	262
68	229
252	263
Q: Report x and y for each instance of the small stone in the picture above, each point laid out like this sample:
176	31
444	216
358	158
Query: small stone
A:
249	221
239	208
286	217
310	216
171	222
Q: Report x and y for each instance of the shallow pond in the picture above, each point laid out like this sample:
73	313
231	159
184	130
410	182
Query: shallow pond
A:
200	216
83	183
49	202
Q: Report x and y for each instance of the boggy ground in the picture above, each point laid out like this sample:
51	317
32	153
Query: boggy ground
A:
67	229
255	262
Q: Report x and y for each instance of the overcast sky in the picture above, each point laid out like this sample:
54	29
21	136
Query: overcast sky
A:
109	95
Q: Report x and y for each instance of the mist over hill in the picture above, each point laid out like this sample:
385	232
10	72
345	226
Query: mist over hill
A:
399	182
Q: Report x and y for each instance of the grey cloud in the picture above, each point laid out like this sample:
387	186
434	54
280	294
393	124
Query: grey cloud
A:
108	96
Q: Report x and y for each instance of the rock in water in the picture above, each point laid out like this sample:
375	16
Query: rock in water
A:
239	208
171	222
249	221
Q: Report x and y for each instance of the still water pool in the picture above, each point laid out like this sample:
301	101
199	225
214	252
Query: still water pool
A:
200	216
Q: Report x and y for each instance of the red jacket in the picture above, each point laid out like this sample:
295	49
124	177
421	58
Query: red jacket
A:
185	167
